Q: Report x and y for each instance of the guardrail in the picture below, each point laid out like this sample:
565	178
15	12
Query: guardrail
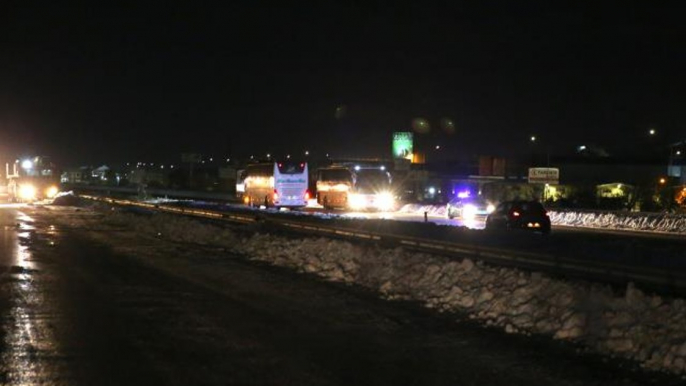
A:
613	273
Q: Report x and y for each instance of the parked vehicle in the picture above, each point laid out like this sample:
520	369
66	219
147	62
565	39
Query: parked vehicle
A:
517	214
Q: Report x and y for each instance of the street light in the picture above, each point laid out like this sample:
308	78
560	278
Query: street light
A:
533	138
652	132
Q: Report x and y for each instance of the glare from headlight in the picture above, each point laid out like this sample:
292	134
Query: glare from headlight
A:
51	192
469	211
27	192
355	201
490	208
385	201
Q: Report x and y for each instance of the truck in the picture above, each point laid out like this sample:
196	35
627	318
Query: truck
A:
355	187
31	179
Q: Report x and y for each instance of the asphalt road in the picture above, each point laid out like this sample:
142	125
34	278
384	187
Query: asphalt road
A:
87	304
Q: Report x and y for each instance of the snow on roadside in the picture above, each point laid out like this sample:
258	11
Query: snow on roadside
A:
636	221
645	328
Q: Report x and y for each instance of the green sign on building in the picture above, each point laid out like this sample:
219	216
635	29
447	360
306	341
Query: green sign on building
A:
402	145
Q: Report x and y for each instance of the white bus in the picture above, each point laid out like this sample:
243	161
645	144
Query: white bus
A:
276	184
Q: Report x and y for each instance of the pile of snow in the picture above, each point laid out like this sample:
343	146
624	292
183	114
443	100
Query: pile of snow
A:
654	222
645	328
163	200
635	221
434	210
65	199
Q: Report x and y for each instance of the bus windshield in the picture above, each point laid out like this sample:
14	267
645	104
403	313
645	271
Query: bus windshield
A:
335	175
259	170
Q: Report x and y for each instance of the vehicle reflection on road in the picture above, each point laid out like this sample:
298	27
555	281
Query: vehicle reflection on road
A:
28	340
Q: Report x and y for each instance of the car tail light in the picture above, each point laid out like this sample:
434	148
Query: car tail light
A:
276	195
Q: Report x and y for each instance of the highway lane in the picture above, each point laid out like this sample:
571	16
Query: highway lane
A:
476	223
85	302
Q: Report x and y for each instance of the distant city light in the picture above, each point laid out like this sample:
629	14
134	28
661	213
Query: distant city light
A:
211	159
663	180
438	147
288	156
582	147
269	155
533	138
678	152
307	152
421	125
652	132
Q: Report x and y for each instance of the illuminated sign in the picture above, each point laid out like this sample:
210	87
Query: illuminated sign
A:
402	145
544	175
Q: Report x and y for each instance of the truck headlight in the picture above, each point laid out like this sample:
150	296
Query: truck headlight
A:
51	192
27	192
356	201
385	201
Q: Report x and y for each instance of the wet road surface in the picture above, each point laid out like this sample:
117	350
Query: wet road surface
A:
77	312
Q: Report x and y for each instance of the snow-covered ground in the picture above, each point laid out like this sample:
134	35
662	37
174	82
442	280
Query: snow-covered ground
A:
635	221
632	324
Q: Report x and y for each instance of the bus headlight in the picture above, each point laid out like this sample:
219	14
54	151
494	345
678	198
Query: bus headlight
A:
385	201
356	201
469	211
27	192
51	192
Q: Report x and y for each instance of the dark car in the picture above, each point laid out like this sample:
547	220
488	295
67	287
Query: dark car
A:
519	215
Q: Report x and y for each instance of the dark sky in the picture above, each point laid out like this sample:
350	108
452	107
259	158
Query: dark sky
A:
93	84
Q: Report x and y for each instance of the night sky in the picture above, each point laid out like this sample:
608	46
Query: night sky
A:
135	82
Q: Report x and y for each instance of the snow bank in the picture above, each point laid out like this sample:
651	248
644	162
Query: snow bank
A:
634	325
653	222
